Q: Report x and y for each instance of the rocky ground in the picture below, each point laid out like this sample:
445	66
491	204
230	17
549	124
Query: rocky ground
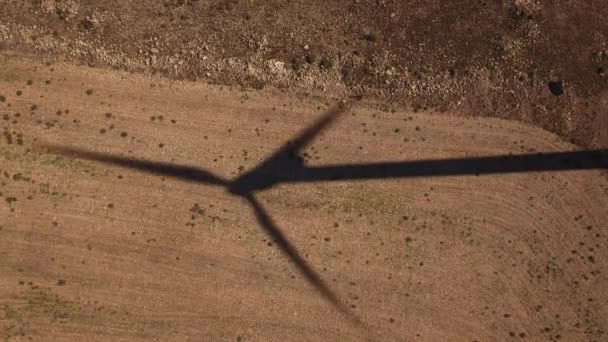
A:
543	62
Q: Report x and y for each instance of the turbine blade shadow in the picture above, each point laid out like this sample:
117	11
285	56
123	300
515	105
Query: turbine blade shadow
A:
287	248
284	161
538	162
181	172
307	135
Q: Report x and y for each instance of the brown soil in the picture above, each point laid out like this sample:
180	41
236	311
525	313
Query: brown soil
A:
489	58
95	252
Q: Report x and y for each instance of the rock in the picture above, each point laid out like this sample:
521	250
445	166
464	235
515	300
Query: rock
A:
65	9
556	87
276	67
154	50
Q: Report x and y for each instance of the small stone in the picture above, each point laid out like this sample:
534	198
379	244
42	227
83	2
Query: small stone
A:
154	50
556	87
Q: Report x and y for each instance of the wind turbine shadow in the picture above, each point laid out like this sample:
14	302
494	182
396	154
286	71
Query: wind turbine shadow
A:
285	166
262	177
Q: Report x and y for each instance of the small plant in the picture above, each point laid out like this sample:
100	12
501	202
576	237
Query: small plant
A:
196	208
347	73
310	58
370	37
296	63
326	63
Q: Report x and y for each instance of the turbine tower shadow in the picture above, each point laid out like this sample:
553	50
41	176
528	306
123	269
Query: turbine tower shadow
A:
285	166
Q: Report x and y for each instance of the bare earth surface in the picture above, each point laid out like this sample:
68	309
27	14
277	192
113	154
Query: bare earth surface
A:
95	252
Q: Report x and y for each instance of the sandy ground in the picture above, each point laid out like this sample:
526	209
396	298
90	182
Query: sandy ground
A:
96	252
